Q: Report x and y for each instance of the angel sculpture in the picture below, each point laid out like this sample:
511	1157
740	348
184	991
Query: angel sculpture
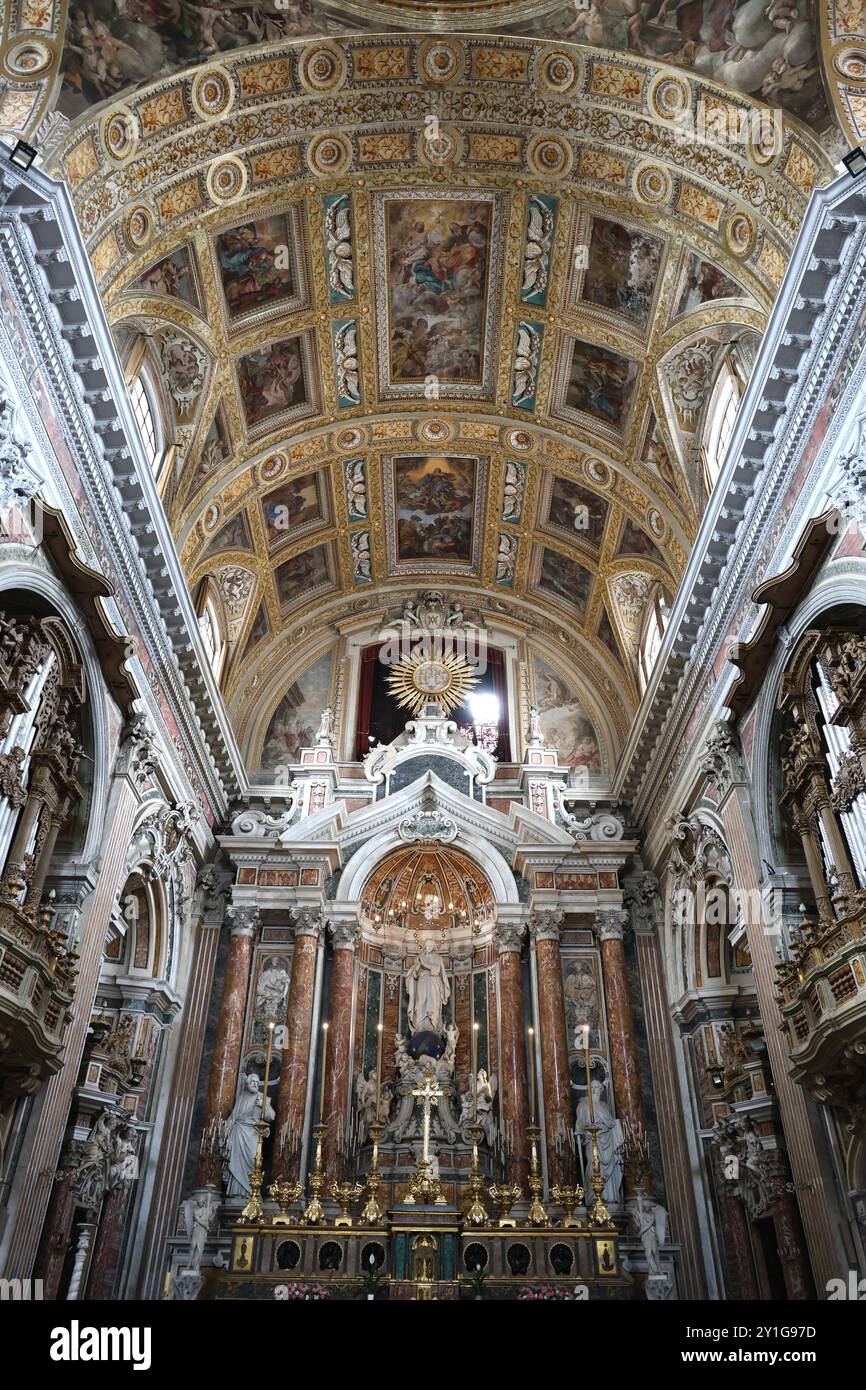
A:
536	252
650	1221
199	1211
525	365
346	354
338	237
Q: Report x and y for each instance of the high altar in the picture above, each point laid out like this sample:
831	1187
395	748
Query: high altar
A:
427	1003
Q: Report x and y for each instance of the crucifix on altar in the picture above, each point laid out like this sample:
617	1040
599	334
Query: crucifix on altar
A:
424	1185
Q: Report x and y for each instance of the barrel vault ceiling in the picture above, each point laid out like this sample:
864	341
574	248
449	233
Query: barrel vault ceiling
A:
434	312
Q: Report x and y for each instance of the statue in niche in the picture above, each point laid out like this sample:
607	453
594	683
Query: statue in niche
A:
241	1138
365	1103
485	1090
272	993
581	999
610	1140
427	986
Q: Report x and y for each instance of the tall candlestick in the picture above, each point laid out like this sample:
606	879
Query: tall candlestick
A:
532	1076
324	1068
585	1031
267	1067
475	1028
378	1068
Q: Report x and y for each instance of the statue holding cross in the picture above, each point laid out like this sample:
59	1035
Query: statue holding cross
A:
424	1185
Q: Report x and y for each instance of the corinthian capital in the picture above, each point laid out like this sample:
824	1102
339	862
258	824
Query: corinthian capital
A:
345	935
545	924
509	936
310	922
610	923
245	920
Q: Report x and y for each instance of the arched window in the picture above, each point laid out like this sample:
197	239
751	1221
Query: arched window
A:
148	418
210	626
654	623
721	413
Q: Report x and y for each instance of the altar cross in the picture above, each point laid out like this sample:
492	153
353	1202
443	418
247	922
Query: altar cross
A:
428	1094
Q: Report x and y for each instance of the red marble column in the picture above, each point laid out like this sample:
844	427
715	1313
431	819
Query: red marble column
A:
56	1233
340	1014
512	1092
106	1248
545	928
227	1047
292	1093
620	1024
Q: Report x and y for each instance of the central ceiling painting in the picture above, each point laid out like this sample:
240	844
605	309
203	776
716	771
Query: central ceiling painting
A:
438	281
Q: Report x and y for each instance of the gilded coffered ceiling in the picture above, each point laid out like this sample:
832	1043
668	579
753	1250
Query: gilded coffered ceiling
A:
434	311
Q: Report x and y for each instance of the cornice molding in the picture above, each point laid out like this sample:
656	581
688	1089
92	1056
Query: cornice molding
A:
40	248
806	339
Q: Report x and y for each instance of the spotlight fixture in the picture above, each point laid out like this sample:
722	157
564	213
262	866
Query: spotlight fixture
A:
21	155
855	162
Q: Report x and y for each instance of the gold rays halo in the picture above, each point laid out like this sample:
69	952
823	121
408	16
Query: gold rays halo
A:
419	679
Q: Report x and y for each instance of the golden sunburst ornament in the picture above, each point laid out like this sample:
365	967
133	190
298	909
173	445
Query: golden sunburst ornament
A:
422	679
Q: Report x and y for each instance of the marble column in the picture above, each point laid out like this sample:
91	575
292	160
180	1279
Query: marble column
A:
647	918
545	928
54	1242
609	924
227	1044
292	1093
172	1131
512	1092
340	1016
106	1245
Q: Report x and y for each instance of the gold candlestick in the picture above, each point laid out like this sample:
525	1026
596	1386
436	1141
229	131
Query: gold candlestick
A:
345	1193
599	1216
324	1070
315	1212
285	1194
372	1213
532	1076
505	1195
271	1026
537	1215
253	1213
568	1198
477	1214
378	1069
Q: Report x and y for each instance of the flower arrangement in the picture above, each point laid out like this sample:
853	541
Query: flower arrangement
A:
286	1292
547	1293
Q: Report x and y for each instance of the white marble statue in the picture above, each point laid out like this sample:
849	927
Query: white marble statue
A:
452	1033
272	992
199	1211
325	733
610	1140
428	989
402	1060
535	733
241	1138
650	1221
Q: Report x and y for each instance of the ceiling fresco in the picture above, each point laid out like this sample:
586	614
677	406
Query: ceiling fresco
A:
435	310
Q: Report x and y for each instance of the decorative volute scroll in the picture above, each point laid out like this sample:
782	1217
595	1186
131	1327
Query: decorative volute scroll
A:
596	825
722	761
